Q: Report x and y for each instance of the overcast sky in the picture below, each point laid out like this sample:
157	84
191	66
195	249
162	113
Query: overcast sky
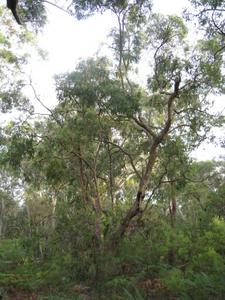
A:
67	40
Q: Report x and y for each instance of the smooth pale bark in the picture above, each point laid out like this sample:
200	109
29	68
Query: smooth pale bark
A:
2	208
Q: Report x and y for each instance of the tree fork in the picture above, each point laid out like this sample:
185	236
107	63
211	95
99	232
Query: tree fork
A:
135	208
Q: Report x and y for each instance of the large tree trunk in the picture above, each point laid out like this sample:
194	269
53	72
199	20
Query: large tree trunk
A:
135	209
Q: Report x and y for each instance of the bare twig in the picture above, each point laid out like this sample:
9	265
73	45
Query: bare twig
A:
57	6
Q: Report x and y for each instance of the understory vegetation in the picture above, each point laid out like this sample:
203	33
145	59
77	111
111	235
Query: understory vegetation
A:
100	197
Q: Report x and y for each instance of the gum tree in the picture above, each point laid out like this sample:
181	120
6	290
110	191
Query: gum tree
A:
108	133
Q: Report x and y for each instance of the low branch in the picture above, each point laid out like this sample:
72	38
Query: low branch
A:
141	123
41	102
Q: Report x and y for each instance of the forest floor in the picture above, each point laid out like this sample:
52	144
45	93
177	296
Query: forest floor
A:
21	294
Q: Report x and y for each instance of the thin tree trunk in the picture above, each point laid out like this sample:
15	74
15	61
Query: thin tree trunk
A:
98	210
172	210
82	178
111	181
54	203
2	208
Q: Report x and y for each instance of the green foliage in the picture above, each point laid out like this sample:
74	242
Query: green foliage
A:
33	12
19	148
14	267
133	296
210	14
90	86
118	283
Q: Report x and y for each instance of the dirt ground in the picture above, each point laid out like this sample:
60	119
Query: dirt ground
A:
21	295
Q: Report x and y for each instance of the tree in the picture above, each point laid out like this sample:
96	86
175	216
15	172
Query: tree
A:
211	16
14	45
105	115
9	205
